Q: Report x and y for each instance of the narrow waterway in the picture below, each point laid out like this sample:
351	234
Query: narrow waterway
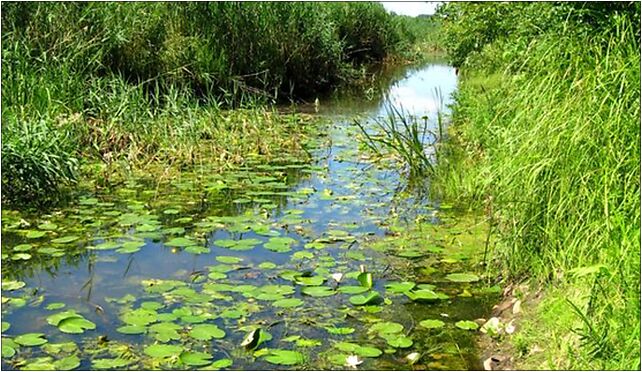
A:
181	275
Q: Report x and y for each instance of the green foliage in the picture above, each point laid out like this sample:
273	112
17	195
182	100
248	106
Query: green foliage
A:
145	80
546	137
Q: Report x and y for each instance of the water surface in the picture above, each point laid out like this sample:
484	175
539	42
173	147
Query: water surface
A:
241	250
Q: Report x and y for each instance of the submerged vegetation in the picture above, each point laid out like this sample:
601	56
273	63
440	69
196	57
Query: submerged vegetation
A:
140	81
546	138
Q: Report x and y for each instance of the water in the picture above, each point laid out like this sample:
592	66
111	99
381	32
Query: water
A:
173	250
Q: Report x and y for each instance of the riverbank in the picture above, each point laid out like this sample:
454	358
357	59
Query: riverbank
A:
545	138
134	83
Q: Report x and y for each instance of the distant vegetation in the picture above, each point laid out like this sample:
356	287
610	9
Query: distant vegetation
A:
128	80
545	136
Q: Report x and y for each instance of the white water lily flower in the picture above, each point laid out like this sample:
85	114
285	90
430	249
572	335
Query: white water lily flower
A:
353	361
337	277
413	357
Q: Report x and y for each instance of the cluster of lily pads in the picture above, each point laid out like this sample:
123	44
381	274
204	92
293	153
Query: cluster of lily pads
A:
281	272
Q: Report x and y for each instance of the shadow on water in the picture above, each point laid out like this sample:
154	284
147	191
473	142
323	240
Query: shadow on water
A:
252	248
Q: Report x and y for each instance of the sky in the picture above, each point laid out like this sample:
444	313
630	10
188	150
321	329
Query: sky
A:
411	8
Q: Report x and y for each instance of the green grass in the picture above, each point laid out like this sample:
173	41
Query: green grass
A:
550	143
130	83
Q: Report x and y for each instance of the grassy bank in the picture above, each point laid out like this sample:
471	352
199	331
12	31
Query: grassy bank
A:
137	82
545	137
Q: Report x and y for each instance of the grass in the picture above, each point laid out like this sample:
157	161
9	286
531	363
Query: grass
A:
133	83
550	142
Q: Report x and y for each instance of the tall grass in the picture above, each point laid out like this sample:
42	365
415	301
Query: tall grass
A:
134	76
552	140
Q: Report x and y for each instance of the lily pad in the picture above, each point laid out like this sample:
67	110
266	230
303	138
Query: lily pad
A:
106	363
206	332
462	277
180	242
288	302
163	351
195	359
432	323
285	357
365	299
318	291
65	239
468	325
30	339
131	330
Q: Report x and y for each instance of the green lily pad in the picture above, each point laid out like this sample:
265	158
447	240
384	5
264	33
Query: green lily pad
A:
267	265
318	291
180	242
166	331
365	279
106	363
432	323
386	328
8	350
47	226
398	340
352	289
221	363
131	330
365	299
65	239
399	287
70	322
339	330
12	285
363	351
310	280
163	351
468	325
31	339
5	326
228	259
462	277
285	357
67	363
206	332
55	306
34	234
139	317
195	359
288	302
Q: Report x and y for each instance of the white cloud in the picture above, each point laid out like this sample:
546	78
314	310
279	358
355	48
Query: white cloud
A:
411	8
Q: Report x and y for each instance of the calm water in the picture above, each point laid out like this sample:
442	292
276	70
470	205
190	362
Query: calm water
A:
236	250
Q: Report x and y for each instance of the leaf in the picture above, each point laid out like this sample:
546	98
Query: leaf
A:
101	364
432	323
399	287
75	325
425	295
12	285
386	328
365	279
228	259
196	359
288	302
5	326
131	330
365	299
467	325
340	330
8	350
221	363
579	272
398	341
163	351
462	277
285	357
31	339
67	363
55	306
180	242
65	239
318	291
206	332
255	338
140	317
166	331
